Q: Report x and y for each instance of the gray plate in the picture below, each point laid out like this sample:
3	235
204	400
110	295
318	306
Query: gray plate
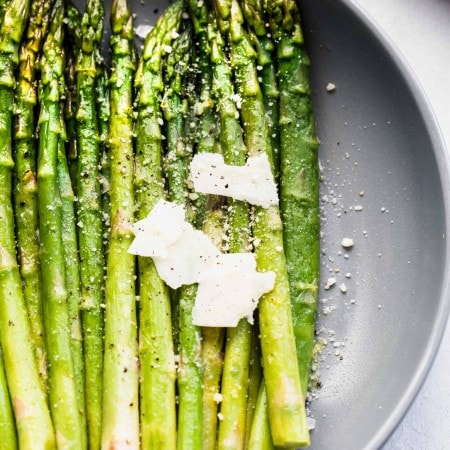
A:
378	136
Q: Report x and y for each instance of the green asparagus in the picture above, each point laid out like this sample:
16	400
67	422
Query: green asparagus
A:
120	374
260	437
63	394
157	370
3	5
74	26
25	191
233	80
70	115
175	109
33	428
89	216
286	412
7	425
255	377
264	45
237	355
69	239
103	114
299	178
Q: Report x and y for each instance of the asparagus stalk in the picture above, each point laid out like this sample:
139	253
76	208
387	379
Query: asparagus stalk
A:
70	115
259	35
103	114
25	190
7	425
62	384
89	216
254	381
260	437
120	379
175	105
207	127
212	359
73	46
286	412
3	5
234	387
70	243
157	361
237	355
34	429
74	27
212	338
299	178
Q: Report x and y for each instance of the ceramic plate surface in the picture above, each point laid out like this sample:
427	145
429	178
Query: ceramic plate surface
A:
386	187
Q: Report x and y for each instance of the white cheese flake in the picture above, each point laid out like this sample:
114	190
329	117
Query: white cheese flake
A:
188	257
160	229
252	182
229	291
229	285
142	30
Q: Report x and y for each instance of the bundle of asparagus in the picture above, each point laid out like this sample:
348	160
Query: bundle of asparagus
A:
96	350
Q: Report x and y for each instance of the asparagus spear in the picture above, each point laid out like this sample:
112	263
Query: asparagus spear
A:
25	190
254	381
286	412
237	356
74	27
207	128
34	429
175	106
7	425
70	114
299	177
89	216
72	46
120	378
3	5
62	383
70	243
103	114
260	437
157	368
260	37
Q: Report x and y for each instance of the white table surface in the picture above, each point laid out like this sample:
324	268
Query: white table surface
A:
421	31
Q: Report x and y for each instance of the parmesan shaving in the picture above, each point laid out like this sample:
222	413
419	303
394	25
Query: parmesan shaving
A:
252	182
228	284
160	229
229	291
187	258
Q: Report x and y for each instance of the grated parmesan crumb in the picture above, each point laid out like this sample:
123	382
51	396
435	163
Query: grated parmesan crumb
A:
330	282
347	243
